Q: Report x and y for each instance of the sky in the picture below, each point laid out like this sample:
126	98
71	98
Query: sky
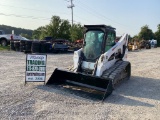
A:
127	16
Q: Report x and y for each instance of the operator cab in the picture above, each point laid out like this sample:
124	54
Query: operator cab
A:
98	39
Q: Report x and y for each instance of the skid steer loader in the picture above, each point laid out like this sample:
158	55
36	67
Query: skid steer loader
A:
100	64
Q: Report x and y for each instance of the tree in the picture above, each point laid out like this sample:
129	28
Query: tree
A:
38	33
64	29
146	33
135	38
59	28
54	26
26	36
157	35
76	32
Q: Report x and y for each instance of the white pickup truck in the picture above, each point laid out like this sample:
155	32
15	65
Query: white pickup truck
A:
6	38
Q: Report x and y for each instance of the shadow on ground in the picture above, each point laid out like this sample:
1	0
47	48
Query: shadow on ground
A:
73	91
141	87
126	92
137	87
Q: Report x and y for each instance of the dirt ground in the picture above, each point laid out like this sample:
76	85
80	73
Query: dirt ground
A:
135	99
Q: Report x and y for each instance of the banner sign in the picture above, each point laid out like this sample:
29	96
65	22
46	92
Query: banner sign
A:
35	68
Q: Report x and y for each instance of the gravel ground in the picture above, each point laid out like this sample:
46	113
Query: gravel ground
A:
138	98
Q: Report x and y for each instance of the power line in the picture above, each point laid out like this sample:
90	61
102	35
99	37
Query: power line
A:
87	7
33	10
30	17
42	18
82	18
21	16
30	9
100	15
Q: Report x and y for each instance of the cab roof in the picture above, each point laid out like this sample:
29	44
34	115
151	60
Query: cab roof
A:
104	27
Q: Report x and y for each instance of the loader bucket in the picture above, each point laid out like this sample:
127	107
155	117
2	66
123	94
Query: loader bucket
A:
80	79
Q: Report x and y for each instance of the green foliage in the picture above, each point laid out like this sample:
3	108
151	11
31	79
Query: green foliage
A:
4	48
59	28
146	33
37	33
157	35
65	29
134	38
18	31
76	32
26	36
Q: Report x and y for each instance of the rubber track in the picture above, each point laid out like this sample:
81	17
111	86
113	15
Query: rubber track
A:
115	71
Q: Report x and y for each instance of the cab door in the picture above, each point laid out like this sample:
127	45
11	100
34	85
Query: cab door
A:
110	40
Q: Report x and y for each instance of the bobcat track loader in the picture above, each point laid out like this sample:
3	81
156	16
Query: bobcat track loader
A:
100	64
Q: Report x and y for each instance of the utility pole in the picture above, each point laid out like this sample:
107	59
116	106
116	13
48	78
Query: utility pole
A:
71	6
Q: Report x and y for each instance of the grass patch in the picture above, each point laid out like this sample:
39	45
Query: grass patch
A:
4	48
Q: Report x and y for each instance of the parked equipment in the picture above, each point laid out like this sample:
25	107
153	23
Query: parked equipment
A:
100	64
153	43
59	45
132	46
